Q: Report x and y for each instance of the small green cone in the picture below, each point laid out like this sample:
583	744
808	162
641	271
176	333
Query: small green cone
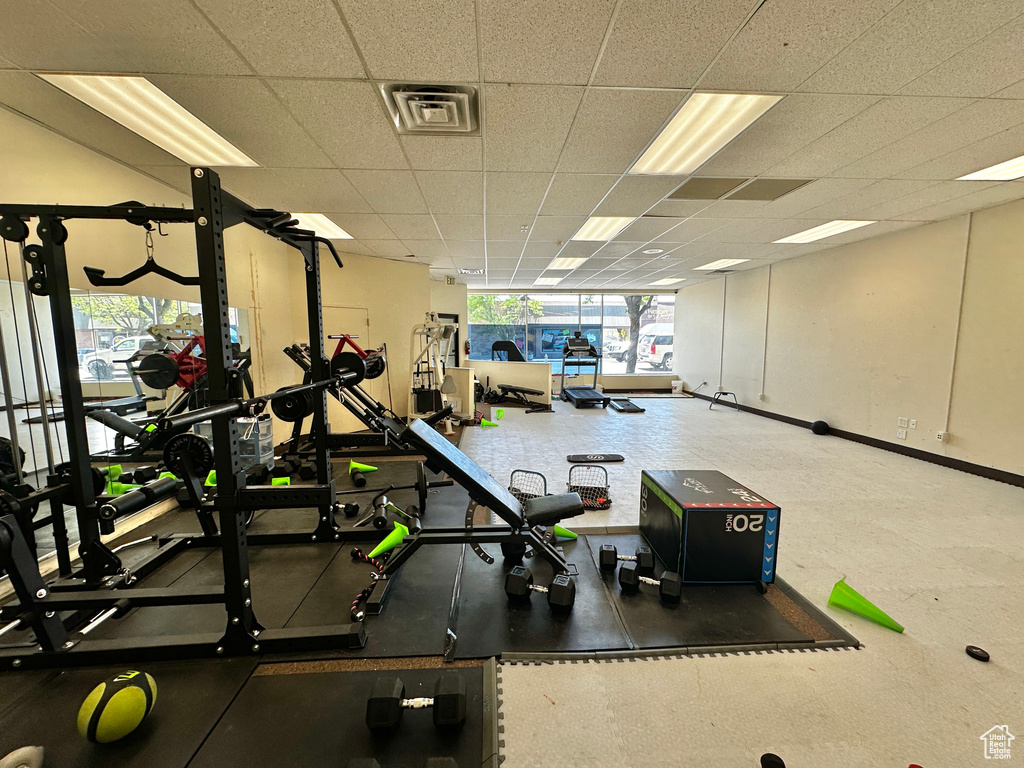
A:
390	541
499	413
114	472
846	597
280	481
564	533
486	423
118	489
355	466
168	474
211	479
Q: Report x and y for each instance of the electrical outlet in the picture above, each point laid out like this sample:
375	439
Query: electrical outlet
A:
942	436
912	424
901	421
901	433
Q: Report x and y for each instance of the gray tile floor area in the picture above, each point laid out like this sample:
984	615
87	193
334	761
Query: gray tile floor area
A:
940	550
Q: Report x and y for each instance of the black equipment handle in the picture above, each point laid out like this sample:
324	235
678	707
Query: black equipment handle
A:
441	415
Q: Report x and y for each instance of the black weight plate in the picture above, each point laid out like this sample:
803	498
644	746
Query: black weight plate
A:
349	361
196	446
375	365
421	486
158	371
294	406
977	653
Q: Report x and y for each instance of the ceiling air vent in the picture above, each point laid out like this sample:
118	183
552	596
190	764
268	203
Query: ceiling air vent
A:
440	110
471	271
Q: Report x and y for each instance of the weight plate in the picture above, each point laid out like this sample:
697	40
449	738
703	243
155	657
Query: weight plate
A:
421	486
158	370
349	361
375	364
292	407
977	653
197	447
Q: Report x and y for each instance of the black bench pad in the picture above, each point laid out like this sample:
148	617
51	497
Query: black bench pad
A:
547	510
523	390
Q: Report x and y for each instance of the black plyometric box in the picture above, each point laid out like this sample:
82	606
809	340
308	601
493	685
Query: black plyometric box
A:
709	528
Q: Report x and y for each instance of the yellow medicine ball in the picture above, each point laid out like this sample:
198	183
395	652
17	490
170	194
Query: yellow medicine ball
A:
117	706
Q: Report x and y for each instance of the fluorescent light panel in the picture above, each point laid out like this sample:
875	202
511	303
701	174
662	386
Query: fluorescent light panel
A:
1011	169
547	281
600	228
140	106
668	281
321	225
722	263
705	124
825	230
566	262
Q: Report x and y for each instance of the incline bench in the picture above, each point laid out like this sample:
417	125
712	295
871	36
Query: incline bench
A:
523	519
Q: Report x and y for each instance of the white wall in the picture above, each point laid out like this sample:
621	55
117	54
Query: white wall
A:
451	299
864	334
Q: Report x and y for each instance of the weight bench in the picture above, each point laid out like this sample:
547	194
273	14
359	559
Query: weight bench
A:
523	520
513	394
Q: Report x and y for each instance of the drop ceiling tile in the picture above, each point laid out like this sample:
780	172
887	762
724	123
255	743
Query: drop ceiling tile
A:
633	195
576	193
514	144
578	249
170	37
1015	91
392	249
534	263
347	119
432	252
460	227
526	41
411	226
443	153
747	250
248	114
644	229
908	42
787	41
41	101
691	229
69	46
616	249
889	120
504	252
848	206
516	193
815	193
556	228
975	122
656	44
768	232
788	127
468	254
981	69
354	246
746	230
458	192
981	154
541	251
174	176
509	227
933	194
389	191
276	39
305	190
973	201
362	225
429	41
680	209
613	127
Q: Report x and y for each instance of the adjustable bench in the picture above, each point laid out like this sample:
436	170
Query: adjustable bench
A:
522	519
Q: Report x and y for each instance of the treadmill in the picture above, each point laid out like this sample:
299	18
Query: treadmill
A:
582	353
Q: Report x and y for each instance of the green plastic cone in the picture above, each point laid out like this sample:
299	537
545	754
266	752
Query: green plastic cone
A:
486	423
355	466
499	413
118	489
849	599
564	533
391	541
280	481
114	472
211	479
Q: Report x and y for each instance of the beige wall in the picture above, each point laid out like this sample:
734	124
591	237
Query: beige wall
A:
530	375
450	299
864	334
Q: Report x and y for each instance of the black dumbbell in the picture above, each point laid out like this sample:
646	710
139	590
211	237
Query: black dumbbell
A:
610	557
670	585
387	702
146	474
514	550
307	471
561	592
349	510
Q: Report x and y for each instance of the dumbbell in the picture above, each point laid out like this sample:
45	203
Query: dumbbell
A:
610	557
307	470
349	510
285	468
561	592
143	475
387	702
670	585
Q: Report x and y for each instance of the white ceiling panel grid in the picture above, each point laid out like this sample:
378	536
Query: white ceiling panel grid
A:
533	143
389	191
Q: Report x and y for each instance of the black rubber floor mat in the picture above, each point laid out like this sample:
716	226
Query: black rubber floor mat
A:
191	696
706	615
488	625
625	405
594	458
318	719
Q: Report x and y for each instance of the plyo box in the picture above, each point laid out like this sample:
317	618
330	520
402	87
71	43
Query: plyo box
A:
709	528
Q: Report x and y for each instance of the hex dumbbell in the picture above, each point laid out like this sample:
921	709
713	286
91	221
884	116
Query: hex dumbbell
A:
561	592
610	557
670	585
387	702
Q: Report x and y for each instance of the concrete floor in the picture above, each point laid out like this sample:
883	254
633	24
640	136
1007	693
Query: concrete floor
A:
940	550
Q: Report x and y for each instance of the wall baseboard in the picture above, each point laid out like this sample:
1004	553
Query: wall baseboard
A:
990	473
